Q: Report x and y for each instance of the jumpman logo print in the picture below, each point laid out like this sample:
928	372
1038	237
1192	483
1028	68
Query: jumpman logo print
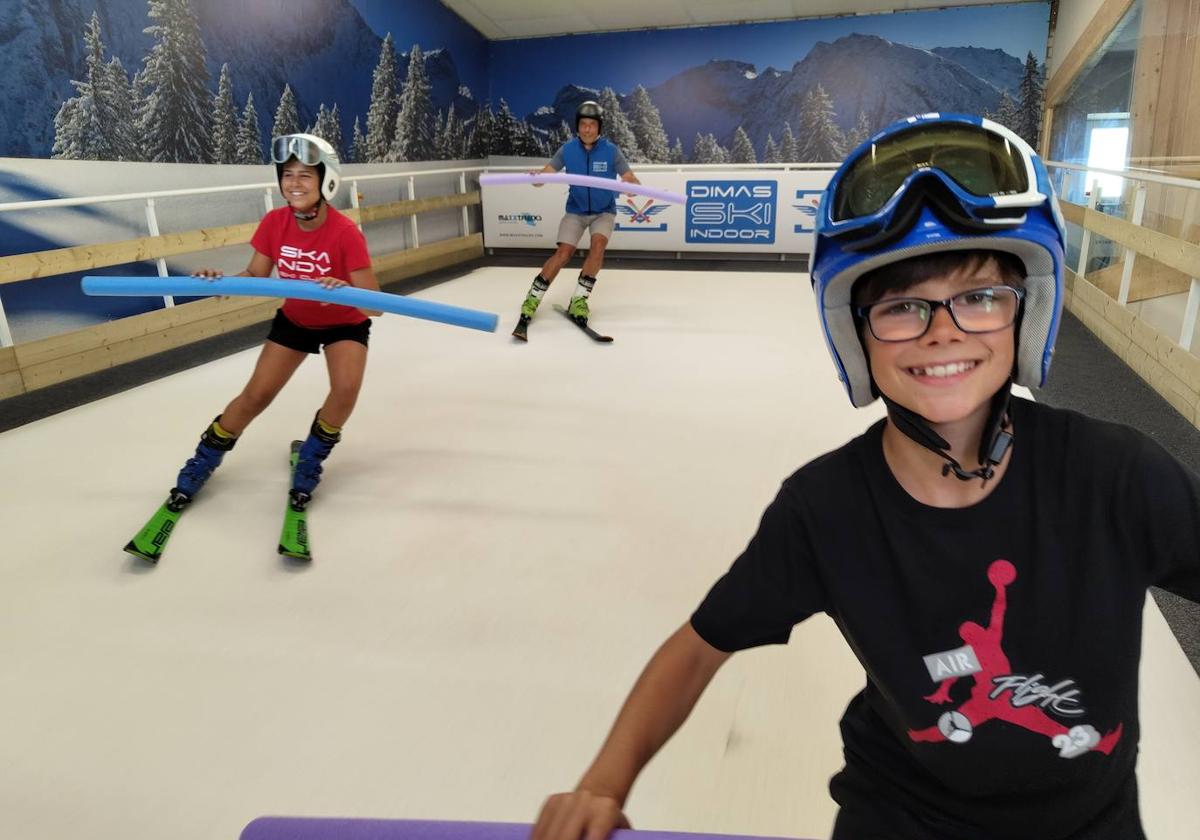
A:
1001	695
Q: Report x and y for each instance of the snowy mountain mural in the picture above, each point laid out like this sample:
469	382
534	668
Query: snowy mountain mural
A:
864	76
322	49
96	79
803	90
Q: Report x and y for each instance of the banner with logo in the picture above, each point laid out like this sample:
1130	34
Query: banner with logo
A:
770	212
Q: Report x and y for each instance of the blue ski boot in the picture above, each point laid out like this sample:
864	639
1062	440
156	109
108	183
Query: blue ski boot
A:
214	443
315	449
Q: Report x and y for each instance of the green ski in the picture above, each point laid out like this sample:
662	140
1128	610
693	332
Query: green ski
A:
293	542
151	541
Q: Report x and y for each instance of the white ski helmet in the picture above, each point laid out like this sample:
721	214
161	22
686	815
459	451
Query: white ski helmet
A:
311	151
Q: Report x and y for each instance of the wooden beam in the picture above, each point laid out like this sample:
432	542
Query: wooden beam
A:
144	324
49	361
412	207
433	261
11	383
471	246
85	257
53	371
1102	24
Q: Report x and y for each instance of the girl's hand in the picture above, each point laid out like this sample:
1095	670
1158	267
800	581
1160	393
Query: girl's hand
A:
331	283
210	274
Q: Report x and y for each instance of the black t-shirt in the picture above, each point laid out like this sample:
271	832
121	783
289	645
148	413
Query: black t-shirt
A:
1001	641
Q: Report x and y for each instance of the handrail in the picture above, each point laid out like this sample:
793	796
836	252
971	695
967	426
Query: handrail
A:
43	204
1132	174
48	203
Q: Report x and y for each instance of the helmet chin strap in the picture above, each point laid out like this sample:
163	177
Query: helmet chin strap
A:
993	444
308	217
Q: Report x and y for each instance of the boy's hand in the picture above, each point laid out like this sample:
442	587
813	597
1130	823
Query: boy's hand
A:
330	283
581	815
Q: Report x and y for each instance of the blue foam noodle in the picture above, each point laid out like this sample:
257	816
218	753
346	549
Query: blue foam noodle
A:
298	289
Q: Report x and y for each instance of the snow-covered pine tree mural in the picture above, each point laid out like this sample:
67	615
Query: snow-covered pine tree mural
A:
328	127
676	155
788	151
1007	114
174	118
381	116
617	128
504	131
413	137
121	107
1029	102
287	115
96	124
820	139
706	149
771	151
480	144
742	150
860	132
451	141
647	126
358	145
249	140
224	121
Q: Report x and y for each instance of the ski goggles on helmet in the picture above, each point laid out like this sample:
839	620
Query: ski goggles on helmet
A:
295	146
975	174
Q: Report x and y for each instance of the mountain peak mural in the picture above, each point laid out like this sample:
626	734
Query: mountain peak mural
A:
322	49
92	79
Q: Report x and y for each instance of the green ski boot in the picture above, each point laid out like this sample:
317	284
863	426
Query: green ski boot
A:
578	309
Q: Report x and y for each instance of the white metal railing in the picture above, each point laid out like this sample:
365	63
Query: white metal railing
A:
268	189
1141	177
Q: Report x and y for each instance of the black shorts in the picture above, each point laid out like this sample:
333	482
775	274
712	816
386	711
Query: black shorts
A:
312	339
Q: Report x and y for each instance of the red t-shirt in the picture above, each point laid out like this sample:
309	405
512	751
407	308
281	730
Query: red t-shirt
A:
334	249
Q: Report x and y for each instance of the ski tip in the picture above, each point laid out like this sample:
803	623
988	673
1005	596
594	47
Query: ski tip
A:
142	555
296	444
293	554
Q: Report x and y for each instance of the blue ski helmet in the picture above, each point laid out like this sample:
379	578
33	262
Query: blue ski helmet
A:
929	184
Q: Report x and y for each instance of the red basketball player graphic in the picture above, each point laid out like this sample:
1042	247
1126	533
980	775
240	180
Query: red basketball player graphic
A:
1000	694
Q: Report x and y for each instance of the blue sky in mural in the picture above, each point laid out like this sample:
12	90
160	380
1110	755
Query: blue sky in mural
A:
430	24
529	72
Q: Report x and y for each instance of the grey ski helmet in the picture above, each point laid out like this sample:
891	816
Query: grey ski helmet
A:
589	110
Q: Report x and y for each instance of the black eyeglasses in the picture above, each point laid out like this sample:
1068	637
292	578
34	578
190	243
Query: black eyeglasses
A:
984	310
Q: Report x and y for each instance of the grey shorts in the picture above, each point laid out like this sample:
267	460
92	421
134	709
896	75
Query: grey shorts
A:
572	226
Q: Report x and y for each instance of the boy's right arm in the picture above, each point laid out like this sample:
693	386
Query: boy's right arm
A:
659	703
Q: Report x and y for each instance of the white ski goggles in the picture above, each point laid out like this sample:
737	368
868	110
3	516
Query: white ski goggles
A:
298	147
